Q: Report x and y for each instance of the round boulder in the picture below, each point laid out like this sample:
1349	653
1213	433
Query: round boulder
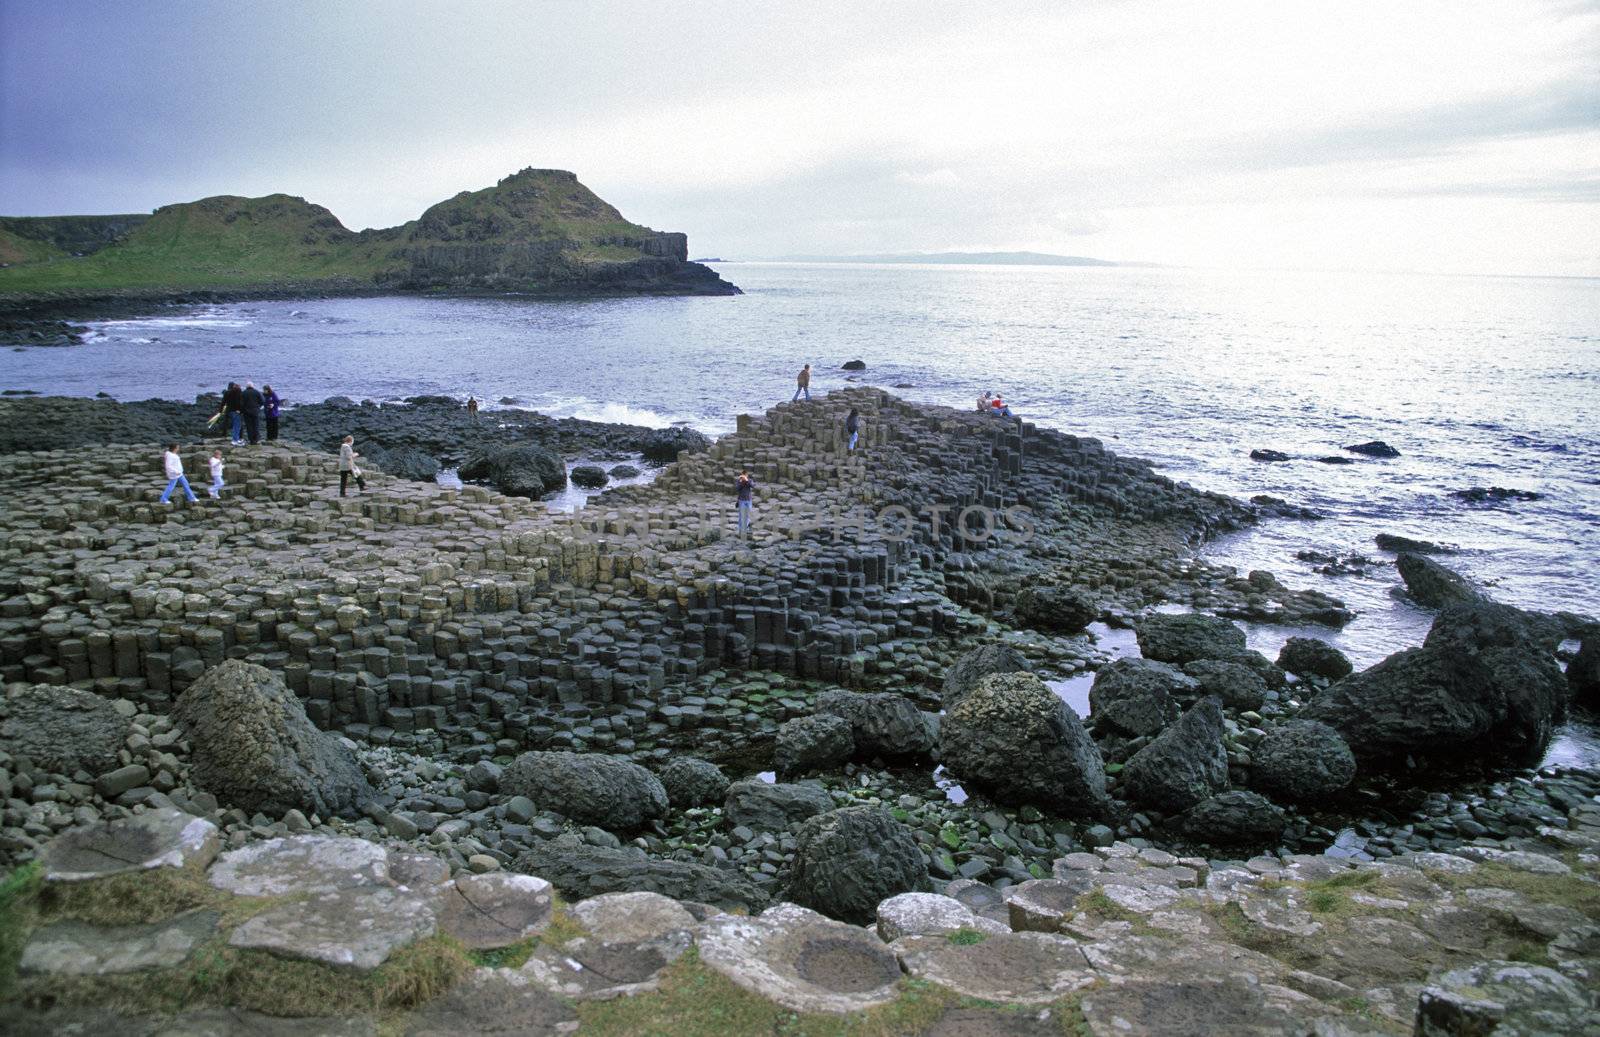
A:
590	788
692	782
1310	657
1184	764
1134	696
1059	610
589	476
1302	761
882	723
63	729
772	808
405	463
624	471
664	444
848	861
807	745
1184	638
1432	585
1012	717
1236	818
518	471
1237	684
977	664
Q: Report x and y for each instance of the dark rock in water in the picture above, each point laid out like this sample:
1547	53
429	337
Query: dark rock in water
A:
1431	584
590	788
1302	761
1268	455
254	748
977	664
1184	764
403	463
1237	684
1134	696
1583	672
1484	685
581	871
1059	610
663	445
1309	657
692	782
854	365
850	860
434	400
1236	819
772	808
1184	638
807	745
63	729
1495	494
624	471
1013	717
882	723
1335	459
1397	544
1376	448
1275	507
590	477
338	401
518	471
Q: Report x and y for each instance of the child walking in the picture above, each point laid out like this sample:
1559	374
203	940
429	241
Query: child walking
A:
215	489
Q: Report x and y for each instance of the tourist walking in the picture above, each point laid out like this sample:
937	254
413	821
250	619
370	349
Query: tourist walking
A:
348	469
173	465
852	427
273	403
251	402
215	489
802	384
472	408
745	499
232	410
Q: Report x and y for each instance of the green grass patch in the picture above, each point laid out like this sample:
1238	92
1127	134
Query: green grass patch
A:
563	929
1571	891
965	937
18	895
1530	954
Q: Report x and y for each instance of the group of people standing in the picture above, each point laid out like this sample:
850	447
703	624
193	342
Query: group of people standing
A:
244	406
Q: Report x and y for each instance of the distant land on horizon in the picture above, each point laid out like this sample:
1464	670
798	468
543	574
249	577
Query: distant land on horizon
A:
973	258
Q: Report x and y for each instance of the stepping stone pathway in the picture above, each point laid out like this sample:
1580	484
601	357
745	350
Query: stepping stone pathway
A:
349	928
1017	968
496	910
154	839
802	960
76	949
300	865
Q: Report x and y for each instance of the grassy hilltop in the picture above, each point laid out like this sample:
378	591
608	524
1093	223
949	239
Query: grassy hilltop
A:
536	231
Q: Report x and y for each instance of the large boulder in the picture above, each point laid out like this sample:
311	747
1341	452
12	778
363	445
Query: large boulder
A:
254	748
663	445
580	871
1311	657
1060	610
63	729
805	745
1239	685
692	782
774	807
1583	672
977	664
849	860
1180	639
403	462
1302	761
881	723
1431	584
1184	764
589	476
1014	740
590	788
518	471
1484	684
1134	696
1235	818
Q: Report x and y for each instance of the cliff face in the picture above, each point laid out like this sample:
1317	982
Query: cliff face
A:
538	231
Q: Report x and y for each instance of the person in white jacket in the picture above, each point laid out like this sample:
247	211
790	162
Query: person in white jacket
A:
174	468
348	469
216	487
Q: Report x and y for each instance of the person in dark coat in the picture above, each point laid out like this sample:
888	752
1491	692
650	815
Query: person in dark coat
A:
232	410
744	498
250	403
852	427
273	404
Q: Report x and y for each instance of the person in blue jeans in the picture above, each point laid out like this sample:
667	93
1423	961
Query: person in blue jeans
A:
802	384
745	488
173	464
852	427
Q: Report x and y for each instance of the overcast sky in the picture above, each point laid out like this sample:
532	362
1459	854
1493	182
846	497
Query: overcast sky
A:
1456	136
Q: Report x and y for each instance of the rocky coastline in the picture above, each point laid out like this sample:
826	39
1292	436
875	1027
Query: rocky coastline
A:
633	701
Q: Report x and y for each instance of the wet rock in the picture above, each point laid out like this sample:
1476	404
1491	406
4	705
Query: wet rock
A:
807	745
1396	543
1583	672
773	808
580	871
847	861
977	664
1505	998
1057	609
1494	495
665	444
1263	454
853	365
356	929
1238	685
1135	696
1011	717
1310	657
1013	968
1235	818
402	462
1375	448
692	782
76	949
802	960
1303	761
590	788
1431	584
1184	764
163	838
590	477
881	723
518	471
63	729
254	748
624	471
1184	638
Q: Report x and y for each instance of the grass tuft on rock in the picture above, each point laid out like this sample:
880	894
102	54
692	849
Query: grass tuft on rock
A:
18	897
965	937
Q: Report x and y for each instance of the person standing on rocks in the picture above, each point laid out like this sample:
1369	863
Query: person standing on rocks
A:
173	464
802	384
216	487
472	408
348	468
273	404
852	427
251	402
745	500
232	404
